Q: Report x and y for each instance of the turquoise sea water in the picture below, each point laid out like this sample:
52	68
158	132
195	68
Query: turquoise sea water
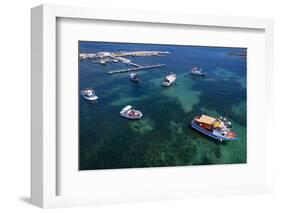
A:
163	137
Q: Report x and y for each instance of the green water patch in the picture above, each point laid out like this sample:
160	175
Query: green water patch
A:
243	82
173	150
183	143
227	75
177	148
142	126
160	153
210	151
209	112
125	100
220	97
156	82
176	127
224	74
117	88
239	111
235	151
182	91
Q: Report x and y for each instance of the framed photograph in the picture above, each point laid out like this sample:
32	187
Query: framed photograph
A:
129	106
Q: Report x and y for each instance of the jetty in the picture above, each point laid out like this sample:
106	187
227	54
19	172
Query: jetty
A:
107	57
135	69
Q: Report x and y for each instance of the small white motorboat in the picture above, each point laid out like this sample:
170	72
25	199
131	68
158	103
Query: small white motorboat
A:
169	79
89	94
102	62
134	77
130	113
197	71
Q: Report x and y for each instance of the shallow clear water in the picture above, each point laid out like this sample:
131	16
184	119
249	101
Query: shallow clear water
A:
163	136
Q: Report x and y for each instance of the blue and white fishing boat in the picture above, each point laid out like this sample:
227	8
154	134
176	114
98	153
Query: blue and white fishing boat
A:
89	94
217	128
130	113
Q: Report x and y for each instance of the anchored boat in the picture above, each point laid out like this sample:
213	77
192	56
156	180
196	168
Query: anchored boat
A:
130	113
197	71
169	79
217	128
134	77
89	94
102	62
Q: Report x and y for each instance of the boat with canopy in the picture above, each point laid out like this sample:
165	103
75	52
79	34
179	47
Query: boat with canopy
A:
217	128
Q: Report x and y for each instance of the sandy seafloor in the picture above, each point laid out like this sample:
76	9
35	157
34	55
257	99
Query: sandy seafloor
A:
163	137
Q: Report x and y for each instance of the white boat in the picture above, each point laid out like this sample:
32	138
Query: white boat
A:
130	113
103	62
134	77
197	71
89	94
169	79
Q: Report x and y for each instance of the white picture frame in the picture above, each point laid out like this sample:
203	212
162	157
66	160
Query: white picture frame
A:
44	89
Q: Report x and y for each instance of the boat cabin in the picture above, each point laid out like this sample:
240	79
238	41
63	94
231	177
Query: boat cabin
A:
208	122
89	93
214	127
205	121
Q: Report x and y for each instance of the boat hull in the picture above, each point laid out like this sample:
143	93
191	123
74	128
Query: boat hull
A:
92	98
89	98
200	74
135	80
210	134
167	84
